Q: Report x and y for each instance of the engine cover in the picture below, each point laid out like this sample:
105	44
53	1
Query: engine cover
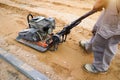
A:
30	35
39	29
43	24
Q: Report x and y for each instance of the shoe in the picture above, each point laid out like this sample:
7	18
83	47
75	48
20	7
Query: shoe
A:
82	44
86	46
90	68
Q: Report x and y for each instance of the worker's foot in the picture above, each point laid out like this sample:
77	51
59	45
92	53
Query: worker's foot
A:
90	68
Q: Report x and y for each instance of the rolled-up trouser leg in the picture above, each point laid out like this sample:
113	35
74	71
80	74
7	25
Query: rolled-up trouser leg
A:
104	51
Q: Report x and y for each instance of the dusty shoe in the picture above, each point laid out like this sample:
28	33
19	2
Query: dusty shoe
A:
82	44
90	68
86	45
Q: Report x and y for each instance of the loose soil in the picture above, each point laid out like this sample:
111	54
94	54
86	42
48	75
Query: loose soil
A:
63	64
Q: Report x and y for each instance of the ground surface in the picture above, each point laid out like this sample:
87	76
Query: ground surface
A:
63	64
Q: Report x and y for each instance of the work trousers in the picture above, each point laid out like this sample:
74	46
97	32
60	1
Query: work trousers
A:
104	50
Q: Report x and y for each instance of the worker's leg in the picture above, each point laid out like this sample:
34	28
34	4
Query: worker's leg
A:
87	44
98	47
104	51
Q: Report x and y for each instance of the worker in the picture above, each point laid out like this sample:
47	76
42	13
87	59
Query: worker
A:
106	36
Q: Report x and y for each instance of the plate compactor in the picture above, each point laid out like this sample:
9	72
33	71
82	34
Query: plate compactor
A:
39	35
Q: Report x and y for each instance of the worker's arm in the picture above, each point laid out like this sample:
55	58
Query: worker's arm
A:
100	4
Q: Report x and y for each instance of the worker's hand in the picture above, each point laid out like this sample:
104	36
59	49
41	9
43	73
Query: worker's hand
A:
100	4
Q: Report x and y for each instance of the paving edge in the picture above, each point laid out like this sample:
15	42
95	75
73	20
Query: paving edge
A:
24	68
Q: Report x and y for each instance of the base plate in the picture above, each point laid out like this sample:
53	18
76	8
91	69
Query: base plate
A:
32	45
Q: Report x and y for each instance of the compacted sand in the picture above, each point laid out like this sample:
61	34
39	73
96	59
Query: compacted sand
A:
63	64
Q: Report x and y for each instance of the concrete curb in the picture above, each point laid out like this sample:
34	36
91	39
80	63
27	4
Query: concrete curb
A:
24	68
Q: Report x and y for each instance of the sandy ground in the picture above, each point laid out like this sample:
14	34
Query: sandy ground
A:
63	64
